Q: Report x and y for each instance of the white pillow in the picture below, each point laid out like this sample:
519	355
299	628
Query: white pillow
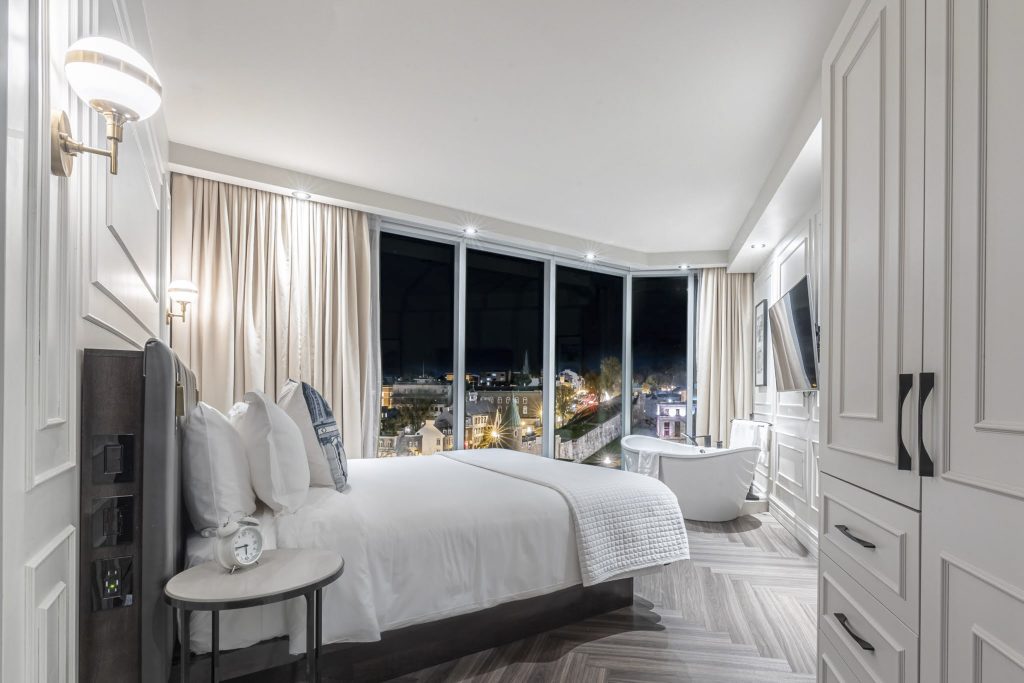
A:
328	465
215	470
277	457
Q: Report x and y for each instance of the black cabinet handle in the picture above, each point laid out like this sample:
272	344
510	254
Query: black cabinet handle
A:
845	531
844	622
906	384
927	467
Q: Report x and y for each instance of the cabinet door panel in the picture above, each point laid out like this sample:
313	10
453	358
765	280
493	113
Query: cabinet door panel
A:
873	76
972	560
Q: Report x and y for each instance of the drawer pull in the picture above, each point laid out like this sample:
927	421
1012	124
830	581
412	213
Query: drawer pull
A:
845	623
845	531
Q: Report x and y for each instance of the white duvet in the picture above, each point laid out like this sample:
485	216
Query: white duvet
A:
423	538
624	522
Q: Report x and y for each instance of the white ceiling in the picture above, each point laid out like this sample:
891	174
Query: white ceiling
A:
646	125
798	194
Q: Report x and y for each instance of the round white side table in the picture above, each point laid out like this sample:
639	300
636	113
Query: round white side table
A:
280	575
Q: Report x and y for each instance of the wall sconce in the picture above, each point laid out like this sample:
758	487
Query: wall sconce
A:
183	293
117	82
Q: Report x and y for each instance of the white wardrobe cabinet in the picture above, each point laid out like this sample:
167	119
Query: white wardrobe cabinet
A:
922	362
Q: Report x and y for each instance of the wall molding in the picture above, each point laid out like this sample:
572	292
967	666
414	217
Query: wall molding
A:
792	492
50	588
121	295
801	530
50	388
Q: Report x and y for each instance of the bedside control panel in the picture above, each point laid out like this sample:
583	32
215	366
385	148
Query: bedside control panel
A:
112	521
112	583
113	458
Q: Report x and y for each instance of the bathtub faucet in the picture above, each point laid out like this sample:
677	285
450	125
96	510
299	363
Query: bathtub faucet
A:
693	439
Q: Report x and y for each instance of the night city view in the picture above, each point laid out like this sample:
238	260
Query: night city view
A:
659	395
504	331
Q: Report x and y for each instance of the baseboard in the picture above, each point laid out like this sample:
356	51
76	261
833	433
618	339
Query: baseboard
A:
752	507
801	530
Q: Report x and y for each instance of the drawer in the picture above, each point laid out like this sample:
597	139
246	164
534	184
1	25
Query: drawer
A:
877	647
831	667
853	520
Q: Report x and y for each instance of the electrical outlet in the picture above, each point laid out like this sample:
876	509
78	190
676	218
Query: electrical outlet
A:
112	583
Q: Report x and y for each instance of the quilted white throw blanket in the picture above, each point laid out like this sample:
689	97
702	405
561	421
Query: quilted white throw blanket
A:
624	521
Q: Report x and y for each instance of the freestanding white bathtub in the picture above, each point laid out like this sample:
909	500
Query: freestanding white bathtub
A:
710	483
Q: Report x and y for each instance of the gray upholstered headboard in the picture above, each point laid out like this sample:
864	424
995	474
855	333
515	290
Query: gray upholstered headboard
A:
170	395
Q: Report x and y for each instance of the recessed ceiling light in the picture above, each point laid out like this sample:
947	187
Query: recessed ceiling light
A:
590	256
683	266
470	230
299	194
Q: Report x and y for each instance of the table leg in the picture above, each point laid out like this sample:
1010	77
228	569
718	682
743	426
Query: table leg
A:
319	626
185	647
310	638
215	648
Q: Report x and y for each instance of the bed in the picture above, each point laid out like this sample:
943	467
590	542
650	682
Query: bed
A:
445	554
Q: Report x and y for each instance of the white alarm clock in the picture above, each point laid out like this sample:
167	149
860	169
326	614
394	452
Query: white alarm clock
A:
239	544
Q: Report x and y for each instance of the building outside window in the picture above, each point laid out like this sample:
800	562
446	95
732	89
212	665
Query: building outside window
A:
588	358
503	347
660	401
502	319
417	326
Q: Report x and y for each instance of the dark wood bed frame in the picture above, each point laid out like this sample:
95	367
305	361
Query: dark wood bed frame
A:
415	647
170	394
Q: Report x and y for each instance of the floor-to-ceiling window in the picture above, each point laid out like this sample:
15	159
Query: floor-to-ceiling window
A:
417	329
661	402
504	339
496	327
588	360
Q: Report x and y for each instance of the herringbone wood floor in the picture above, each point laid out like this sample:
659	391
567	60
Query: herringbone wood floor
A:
742	609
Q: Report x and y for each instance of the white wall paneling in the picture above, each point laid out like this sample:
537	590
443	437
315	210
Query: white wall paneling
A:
124	264
50	211
764	397
82	266
50	599
43	216
790	478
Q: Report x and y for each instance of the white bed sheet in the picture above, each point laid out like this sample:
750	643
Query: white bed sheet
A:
426	538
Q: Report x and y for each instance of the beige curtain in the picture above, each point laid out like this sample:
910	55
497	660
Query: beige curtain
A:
725	350
286	291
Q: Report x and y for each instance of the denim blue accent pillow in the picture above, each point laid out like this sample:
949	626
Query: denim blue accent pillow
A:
328	465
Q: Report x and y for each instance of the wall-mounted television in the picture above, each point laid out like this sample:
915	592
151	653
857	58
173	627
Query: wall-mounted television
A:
794	342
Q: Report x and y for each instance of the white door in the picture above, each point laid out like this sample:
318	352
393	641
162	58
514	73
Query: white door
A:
872	80
82	266
40	435
972	559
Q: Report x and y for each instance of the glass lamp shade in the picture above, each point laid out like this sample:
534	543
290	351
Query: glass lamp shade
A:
183	292
113	77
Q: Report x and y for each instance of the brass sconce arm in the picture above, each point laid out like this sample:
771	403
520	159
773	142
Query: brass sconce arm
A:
64	148
171	316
